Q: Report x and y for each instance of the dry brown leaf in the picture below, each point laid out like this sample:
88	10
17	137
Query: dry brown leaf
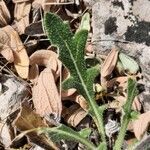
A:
21	25
120	101
46	98
79	99
74	115
4	14
75	118
21	10
89	48
136	104
21	59
82	102
48	59
5	48
117	104
27	119
21	14
38	4
13	50
141	124
20	1
43	4
34	73
43	58
119	80
109	63
47	4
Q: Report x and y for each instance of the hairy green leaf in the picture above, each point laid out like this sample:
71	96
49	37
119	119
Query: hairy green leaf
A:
71	53
132	92
85	22
128	63
134	115
85	132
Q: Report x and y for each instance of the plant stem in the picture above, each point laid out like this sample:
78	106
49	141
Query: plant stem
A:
120	138
78	138
132	92
97	117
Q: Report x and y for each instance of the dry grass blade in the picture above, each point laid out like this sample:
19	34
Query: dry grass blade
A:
141	125
4	14
46	98
27	119
109	63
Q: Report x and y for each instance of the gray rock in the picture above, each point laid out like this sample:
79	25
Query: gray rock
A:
125	24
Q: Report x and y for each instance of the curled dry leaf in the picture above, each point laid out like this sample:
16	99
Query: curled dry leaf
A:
75	118
74	115
46	98
27	119
82	102
4	14
141	124
108	65
47	59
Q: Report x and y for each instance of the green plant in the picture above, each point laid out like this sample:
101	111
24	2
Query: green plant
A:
71	53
